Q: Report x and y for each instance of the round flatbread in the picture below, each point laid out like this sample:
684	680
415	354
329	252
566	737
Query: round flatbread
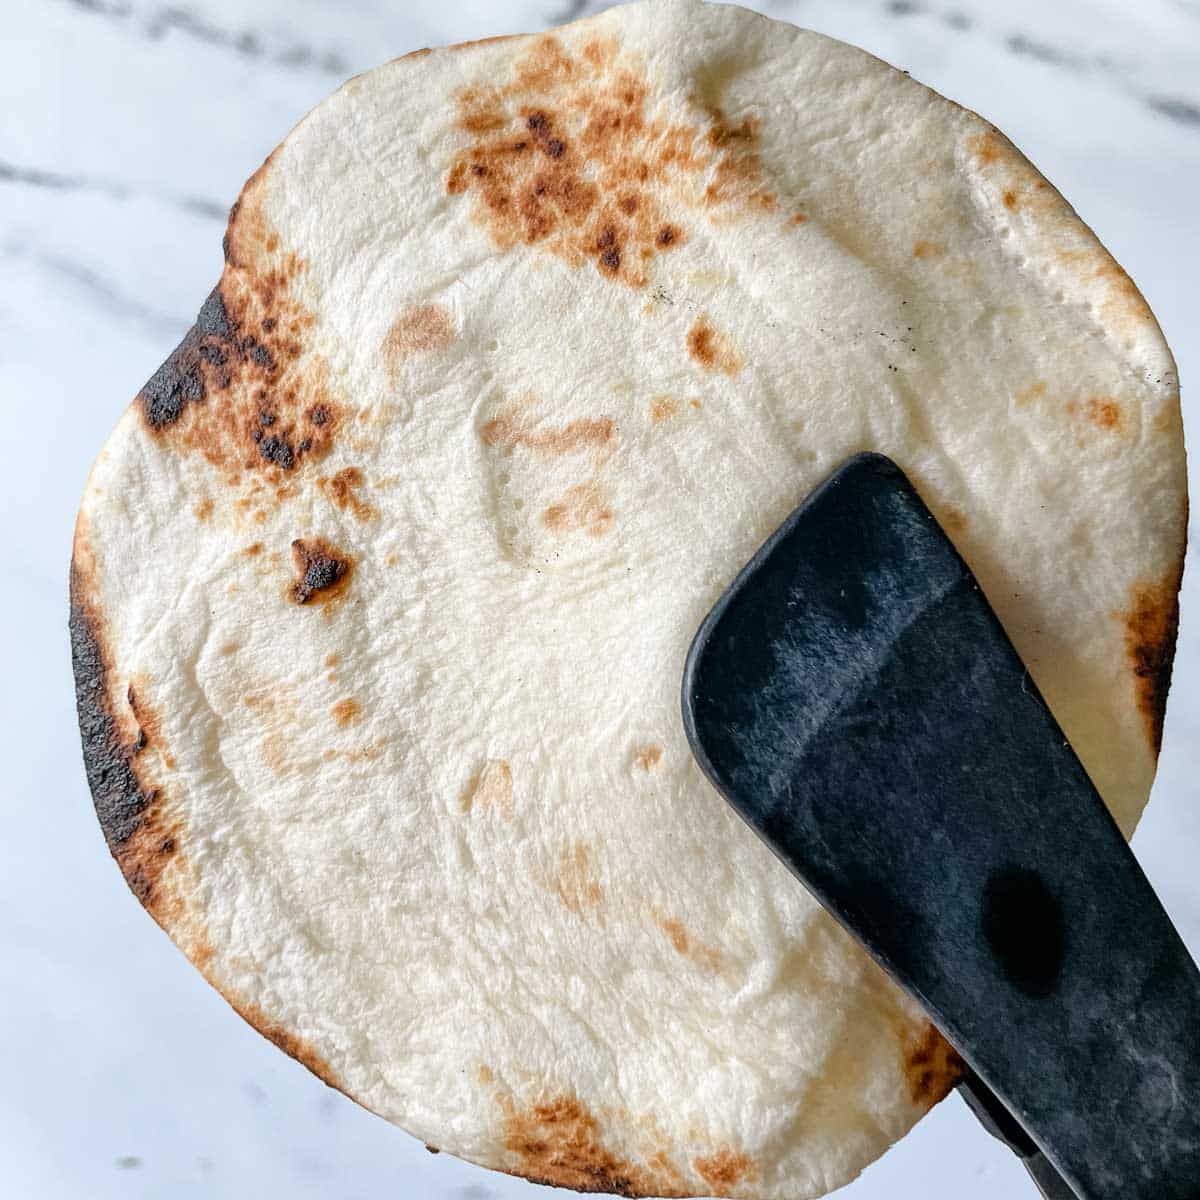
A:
382	587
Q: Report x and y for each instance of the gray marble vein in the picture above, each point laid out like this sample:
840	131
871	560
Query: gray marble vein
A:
1052	53
1171	107
108	8
570	11
98	291
36	177
1021	44
167	20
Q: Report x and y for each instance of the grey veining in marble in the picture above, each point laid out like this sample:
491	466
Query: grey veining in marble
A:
126	129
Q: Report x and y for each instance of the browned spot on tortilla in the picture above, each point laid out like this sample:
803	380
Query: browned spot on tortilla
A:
663	408
1035	391
558	1142
1021	184
576	883
149	726
599	52
924	249
203	510
707	957
278	754
421	329
508	430
1123	305
564	155
267	701
342	489
199	950
1151	626
331	660
953	519
932	1067
144	861
985	147
711	348
725	1169
360	754
346	712
547	65
485	1074
491	786
648	757
302	1050
1104	411
737	175
583	507
322	572
121	752
695	403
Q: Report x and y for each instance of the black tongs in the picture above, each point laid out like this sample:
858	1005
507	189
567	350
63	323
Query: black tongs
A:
856	700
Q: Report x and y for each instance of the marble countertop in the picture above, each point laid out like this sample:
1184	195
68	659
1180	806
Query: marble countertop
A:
126	128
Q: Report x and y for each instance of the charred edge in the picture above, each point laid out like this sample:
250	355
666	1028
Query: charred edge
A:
180	381
609	1185
1152	628
217	352
120	800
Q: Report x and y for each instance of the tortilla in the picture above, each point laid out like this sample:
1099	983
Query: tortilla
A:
382	586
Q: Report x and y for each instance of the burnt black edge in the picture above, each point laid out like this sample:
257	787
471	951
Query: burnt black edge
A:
118	796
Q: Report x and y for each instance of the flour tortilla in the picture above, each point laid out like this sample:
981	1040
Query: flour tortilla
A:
382	586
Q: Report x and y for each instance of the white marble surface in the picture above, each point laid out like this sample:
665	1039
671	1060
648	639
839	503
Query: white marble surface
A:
126	128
